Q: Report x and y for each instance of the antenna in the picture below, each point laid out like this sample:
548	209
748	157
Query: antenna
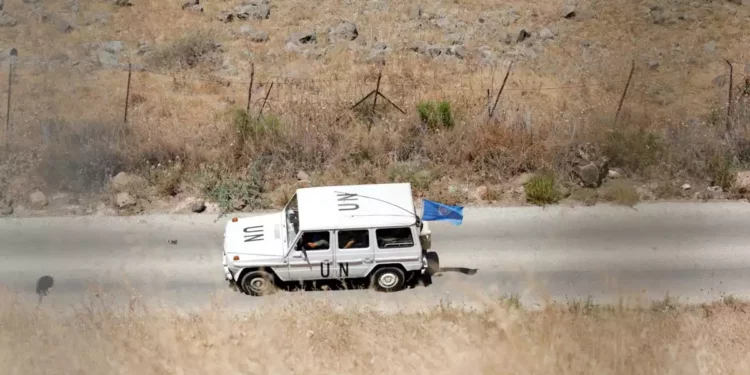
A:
386	202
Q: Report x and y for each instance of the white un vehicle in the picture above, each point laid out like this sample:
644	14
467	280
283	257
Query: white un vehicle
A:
368	232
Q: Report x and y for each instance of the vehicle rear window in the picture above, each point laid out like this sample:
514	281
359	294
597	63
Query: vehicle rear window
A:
394	238
355	239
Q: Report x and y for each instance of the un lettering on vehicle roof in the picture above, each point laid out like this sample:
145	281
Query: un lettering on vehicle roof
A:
347	202
253	233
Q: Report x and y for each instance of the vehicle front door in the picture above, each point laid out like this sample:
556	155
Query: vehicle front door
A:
354	253
319	251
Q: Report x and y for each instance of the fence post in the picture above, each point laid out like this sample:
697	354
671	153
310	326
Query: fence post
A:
377	89
260	113
627	85
497	98
127	93
250	89
11	63
729	100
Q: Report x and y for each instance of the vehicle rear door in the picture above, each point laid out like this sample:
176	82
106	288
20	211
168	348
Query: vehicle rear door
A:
354	253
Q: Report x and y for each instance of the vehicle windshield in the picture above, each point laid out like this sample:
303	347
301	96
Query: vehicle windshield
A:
291	215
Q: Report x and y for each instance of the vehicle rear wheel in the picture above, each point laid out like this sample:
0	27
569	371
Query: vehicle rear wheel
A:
258	283
433	263
388	279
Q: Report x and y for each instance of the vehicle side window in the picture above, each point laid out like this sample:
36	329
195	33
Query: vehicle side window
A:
394	238
354	239
312	241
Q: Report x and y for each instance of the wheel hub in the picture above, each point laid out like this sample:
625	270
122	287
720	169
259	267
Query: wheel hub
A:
388	280
257	284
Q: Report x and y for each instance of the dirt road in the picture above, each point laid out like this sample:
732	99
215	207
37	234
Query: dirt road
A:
696	251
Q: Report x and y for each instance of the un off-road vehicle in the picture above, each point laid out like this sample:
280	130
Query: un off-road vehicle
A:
365	232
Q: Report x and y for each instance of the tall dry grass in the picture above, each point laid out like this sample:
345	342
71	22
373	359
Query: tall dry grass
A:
183	106
319	338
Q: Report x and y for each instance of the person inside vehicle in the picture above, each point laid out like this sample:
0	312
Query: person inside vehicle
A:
356	239
316	242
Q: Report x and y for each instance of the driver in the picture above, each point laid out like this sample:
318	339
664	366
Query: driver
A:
317	242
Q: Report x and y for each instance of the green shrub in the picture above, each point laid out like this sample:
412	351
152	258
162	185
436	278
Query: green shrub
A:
633	150
541	190
620	192
417	176
722	170
436	115
234	192
191	51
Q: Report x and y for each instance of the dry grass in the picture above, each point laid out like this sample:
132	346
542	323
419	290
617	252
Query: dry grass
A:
319	338
187	109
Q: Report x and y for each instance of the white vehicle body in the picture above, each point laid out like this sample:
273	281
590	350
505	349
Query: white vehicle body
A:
366	227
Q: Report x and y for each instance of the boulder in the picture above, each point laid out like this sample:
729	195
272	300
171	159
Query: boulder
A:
569	12
106	53
6	20
480	194
435	50
193	6
302	37
344	31
198	206
522	180
588	165
546	34
124	200
522	35
455	38
255	35
253	9
415	12
37	200
127	181
614	174
6	207
742	182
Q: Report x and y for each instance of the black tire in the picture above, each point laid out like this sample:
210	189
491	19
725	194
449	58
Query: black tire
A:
433	263
388	279
258	283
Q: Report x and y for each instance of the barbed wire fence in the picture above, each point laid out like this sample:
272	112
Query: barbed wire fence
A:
273	93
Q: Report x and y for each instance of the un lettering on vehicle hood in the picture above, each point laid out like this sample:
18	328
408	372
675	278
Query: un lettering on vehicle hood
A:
256	236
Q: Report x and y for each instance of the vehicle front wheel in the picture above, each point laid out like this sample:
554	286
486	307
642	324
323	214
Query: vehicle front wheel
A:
388	279
258	283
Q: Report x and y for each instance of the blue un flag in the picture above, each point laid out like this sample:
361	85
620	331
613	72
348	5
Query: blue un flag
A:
433	211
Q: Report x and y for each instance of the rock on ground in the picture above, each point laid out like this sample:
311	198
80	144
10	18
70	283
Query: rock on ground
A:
198	206
125	180
124	200
569	12
258	36
106	53
193	6
345	30
253	9
6	207
546	34
588	165
742	182
522	180
38	200
6	20
303	37
435	50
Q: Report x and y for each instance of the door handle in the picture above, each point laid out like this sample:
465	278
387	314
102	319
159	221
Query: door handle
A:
368	260
326	261
297	256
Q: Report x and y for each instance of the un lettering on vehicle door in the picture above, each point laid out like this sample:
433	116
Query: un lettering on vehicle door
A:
354	253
